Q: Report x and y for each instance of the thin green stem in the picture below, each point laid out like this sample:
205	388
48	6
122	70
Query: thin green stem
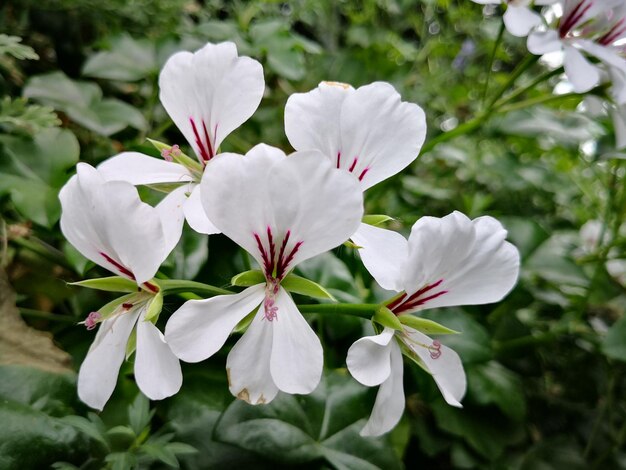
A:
491	61
356	310
517	72
175	286
29	312
535	101
522	90
44	250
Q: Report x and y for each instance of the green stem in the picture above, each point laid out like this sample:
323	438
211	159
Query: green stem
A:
491	61
44	250
519	70
175	286
530	86
356	310
535	101
29	312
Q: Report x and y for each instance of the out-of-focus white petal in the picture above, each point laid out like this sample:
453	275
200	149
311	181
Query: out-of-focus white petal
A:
297	356
369	359
98	373
619	123
137	168
608	55
389	404
199	328
195	214
292	208
108	224
520	20
543	42
157	370
210	93
458	261
383	253
248	363
580	72
443	364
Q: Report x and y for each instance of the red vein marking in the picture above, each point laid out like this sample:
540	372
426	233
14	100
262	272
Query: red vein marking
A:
356	159
121	268
151	287
363	173
402	303
275	267
573	18
205	153
338	159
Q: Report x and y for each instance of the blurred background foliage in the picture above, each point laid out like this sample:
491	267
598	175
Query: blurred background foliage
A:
545	367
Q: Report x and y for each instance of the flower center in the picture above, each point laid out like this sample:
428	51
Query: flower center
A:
572	19
269	304
405	303
352	166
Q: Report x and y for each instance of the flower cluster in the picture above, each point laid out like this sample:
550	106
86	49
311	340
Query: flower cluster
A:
281	209
590	35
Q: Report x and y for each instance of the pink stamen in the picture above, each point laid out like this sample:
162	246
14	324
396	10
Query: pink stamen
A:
92	320
168	154
121	268
435	349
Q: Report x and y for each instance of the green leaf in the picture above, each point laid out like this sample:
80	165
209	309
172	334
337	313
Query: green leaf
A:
109	284
387	318
131	344
296	431
376	220
121	460
122	434
162	453
332	273
614	344
493	383
301	285
154	307
139	414
17	116
248	278
83	103
189	255
88	428
426	326
128	60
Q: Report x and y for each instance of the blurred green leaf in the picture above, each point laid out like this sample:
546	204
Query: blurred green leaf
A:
188	257
492	383
17	116
109	284
127	60
10	45
332	273
83	103
614	343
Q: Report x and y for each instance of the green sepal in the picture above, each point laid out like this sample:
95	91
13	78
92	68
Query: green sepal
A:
154	307
182	158
131	345
248	278
408	352
107	310
376	220
301	285
109	284
387	318
178	286
352	245
423	325
244	323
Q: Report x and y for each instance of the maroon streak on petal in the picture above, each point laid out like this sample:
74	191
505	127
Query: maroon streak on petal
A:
614	33
275	267
151	287
268	265
121	268
363	173
574	17
338	159
272	246
284	262
206	150
402	304
354	162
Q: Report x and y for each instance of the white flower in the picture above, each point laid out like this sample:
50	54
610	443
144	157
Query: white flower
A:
282	210
108	224
590	26
446	262
208	94
519	17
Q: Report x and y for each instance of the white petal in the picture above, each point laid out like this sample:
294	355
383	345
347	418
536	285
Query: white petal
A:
608	55
520	20
389	404
465	262
248	363
543	42
580	72
108	223
312	119
301	199
213	88
199	328
157	370
619	124
137	168
98	373
297	357
369	358
447	369
195	214
369	131
170	210
383	253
